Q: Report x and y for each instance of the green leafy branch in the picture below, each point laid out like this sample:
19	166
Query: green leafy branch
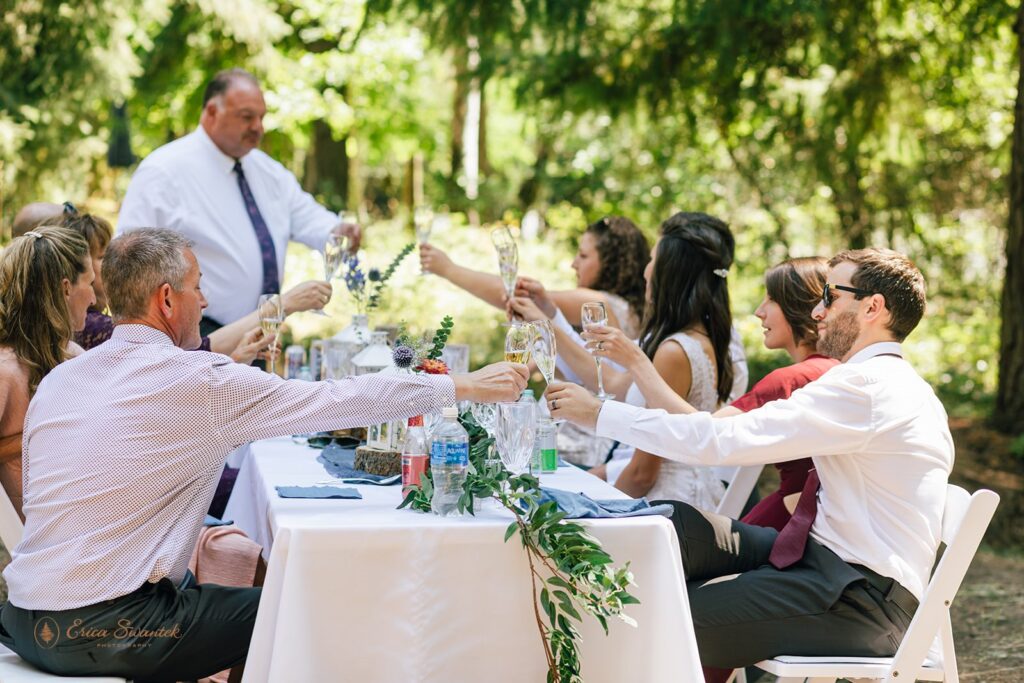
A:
441	337
570	572
378	285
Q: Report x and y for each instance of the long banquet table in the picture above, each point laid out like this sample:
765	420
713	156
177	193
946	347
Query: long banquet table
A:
359	591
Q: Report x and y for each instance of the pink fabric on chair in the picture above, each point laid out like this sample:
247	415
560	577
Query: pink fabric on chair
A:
224	555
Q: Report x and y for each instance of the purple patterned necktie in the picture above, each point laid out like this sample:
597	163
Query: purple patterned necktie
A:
271	285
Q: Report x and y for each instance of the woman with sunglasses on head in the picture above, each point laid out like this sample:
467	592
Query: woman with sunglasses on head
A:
609	267
45	290
686	335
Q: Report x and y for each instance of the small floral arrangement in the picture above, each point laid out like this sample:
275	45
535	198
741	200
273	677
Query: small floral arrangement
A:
423	355
366	288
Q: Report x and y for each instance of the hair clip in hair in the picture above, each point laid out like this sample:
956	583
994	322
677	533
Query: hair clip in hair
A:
70	209
33	233
721	272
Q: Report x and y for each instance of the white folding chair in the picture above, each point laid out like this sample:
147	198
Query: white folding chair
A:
13	669
741	485
964	521
11	527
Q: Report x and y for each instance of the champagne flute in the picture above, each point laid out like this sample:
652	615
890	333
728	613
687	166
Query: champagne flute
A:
514	433
271	312
335	249
594	315
508	258
423	219
544	349
518	342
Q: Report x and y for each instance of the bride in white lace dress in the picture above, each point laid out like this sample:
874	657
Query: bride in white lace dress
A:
686	333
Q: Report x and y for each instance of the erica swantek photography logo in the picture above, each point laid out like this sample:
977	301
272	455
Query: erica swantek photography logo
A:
125	634
47	633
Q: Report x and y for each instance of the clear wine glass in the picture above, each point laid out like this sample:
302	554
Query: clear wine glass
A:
486	414
335	250
514	433
594	315
519	342
271	313
508	258
544	349
423	220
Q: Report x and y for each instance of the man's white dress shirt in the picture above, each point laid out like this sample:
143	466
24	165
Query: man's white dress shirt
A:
879	439
124	445
190	186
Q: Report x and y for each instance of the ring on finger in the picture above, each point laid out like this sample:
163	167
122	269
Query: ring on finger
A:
600	346
554	404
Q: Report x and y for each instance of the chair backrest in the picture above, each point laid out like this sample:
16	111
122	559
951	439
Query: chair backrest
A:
11	527
964	521
741	484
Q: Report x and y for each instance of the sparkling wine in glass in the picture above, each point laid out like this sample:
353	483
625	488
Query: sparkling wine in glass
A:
271	312
594	315
518	342
514	433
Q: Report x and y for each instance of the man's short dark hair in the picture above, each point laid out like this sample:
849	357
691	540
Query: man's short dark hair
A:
895	277
221	82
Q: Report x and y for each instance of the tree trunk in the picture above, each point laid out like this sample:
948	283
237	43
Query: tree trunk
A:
459	112
327	166
1009	410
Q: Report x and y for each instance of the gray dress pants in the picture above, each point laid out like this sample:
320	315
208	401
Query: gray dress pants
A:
820	606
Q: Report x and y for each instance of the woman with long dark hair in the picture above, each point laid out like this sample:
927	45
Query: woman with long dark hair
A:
686	333
609	267
45	290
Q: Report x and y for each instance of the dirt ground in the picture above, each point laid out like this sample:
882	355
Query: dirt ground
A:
988	614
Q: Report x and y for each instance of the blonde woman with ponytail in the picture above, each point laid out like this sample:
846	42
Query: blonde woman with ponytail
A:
45	290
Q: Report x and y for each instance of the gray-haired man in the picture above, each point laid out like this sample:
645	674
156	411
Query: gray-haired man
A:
122	449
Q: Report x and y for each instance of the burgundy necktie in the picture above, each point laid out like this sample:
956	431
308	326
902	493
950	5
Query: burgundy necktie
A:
271	284
790	543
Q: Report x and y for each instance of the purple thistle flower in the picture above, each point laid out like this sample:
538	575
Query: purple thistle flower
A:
403	356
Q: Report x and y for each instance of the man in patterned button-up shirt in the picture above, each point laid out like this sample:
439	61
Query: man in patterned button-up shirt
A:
122	449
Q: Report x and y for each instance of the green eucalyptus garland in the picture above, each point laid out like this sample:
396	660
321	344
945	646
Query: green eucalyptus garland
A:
572	571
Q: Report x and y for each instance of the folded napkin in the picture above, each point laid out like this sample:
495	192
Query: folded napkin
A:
317	492
340	464
580	505
213	521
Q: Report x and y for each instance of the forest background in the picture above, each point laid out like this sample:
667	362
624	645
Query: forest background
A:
808	125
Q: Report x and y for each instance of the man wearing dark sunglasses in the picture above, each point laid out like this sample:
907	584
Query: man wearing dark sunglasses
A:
845	575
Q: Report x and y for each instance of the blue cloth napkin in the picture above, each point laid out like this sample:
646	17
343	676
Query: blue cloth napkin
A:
213	521
317	492
340	464
580	505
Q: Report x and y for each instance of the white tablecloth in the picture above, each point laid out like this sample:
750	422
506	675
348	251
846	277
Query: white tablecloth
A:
359	591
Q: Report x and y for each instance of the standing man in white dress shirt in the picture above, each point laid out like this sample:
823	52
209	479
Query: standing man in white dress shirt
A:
239	207
844	577
122	449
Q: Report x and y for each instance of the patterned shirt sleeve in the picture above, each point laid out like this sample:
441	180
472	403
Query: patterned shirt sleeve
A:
248	404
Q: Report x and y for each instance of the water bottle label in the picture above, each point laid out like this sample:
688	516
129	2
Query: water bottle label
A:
450	453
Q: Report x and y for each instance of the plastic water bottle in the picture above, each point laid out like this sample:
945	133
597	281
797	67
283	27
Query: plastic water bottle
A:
527	395
306	375
449	462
